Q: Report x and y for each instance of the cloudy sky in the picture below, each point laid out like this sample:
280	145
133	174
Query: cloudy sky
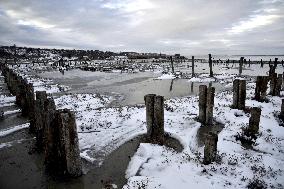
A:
168	26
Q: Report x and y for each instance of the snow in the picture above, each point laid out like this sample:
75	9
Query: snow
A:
167	76
5	132
158	166
12	112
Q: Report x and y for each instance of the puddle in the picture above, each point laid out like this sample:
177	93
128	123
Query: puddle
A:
131	87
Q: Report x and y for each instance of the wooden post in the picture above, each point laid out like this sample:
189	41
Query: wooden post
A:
202	103
41	98
241	66
210	106
172	64
210	65
242	95
210	149
192	67
235	93
155	118
254	121
282	111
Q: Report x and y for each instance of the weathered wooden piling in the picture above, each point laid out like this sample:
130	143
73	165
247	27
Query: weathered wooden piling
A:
239	94
261	63
261	88
1	114
65	155
275	63
235	93
273	82
281	116
242	95
206	104
172	65
241	65
202	103
254	121
278	85
39	111
155	118
158	130
271	70
210	149
192	66
210	105
210	65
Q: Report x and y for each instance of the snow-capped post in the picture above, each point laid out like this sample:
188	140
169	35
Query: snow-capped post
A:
235	93
210	105
41	98
66	152
210	65
242	95
210	149
261	63
241	65
282	111
202	103
254	121
261	88
155	118
192	66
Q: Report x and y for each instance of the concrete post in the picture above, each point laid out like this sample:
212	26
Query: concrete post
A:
210	65
254	121
202	103
210	149
210	105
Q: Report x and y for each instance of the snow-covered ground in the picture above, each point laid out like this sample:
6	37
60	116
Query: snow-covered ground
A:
159	167
102	129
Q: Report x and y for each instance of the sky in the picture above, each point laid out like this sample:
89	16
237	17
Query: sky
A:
188	27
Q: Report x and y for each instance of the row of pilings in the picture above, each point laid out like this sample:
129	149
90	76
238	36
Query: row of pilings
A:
155	112
55	130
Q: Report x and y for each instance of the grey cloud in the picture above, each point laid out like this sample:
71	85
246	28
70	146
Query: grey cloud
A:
180	26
